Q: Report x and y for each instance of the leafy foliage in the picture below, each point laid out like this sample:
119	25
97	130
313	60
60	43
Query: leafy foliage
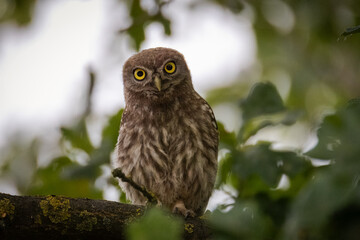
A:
97	156
263	107
156	224
141	18
64	175
78	137
314	194
51	180
19	11
67	174
249	222
338	138
263	99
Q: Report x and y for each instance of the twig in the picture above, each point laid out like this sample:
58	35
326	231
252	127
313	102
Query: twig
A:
151	198
350	31
92	81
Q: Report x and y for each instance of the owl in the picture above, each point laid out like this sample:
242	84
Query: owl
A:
168	138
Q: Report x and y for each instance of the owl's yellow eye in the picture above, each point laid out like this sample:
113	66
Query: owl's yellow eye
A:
170	67
139	74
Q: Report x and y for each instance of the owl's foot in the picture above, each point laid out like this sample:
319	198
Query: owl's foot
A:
179	208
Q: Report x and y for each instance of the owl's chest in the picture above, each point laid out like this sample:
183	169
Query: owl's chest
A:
169	140
167	128
170	127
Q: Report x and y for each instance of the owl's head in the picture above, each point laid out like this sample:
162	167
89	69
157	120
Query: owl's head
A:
156	73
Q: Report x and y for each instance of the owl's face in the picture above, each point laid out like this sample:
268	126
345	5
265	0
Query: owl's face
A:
156	73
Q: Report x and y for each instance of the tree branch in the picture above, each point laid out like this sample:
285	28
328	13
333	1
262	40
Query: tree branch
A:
150	197
58	217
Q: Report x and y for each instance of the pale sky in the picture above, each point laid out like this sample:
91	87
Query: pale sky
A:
43	68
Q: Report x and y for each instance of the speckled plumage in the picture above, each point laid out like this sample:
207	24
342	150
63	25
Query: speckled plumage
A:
168	140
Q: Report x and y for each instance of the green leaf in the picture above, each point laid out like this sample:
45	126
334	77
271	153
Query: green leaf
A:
227	94
255	169
269	165
51	180
20	11
224	170
260	160
328	140
263	108
293	164
111	130
156	224
243	221
335	186
139	18
227	139
262	99
252	126
274	207
339	134
78	136
100	155
137	33
166	23
316	203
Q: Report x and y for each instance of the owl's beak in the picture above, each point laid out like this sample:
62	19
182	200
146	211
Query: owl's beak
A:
157	81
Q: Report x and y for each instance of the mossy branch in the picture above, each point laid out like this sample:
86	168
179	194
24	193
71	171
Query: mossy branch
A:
150	197
59	217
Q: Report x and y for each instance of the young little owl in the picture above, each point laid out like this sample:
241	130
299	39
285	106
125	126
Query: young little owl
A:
168	140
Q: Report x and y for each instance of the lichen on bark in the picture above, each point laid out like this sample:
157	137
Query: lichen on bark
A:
56	208
88	220
7	209
189	227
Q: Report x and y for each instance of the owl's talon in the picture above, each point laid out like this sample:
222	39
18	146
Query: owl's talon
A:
179	208
190	213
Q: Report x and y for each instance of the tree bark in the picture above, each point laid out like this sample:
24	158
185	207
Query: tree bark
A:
59	217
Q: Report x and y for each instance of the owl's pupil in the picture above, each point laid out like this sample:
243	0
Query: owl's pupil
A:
140	74
169	67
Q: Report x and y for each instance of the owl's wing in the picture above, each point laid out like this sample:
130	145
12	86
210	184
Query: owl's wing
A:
208	110
124	117
213	119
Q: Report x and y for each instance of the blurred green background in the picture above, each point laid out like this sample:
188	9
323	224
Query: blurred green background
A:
289	121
